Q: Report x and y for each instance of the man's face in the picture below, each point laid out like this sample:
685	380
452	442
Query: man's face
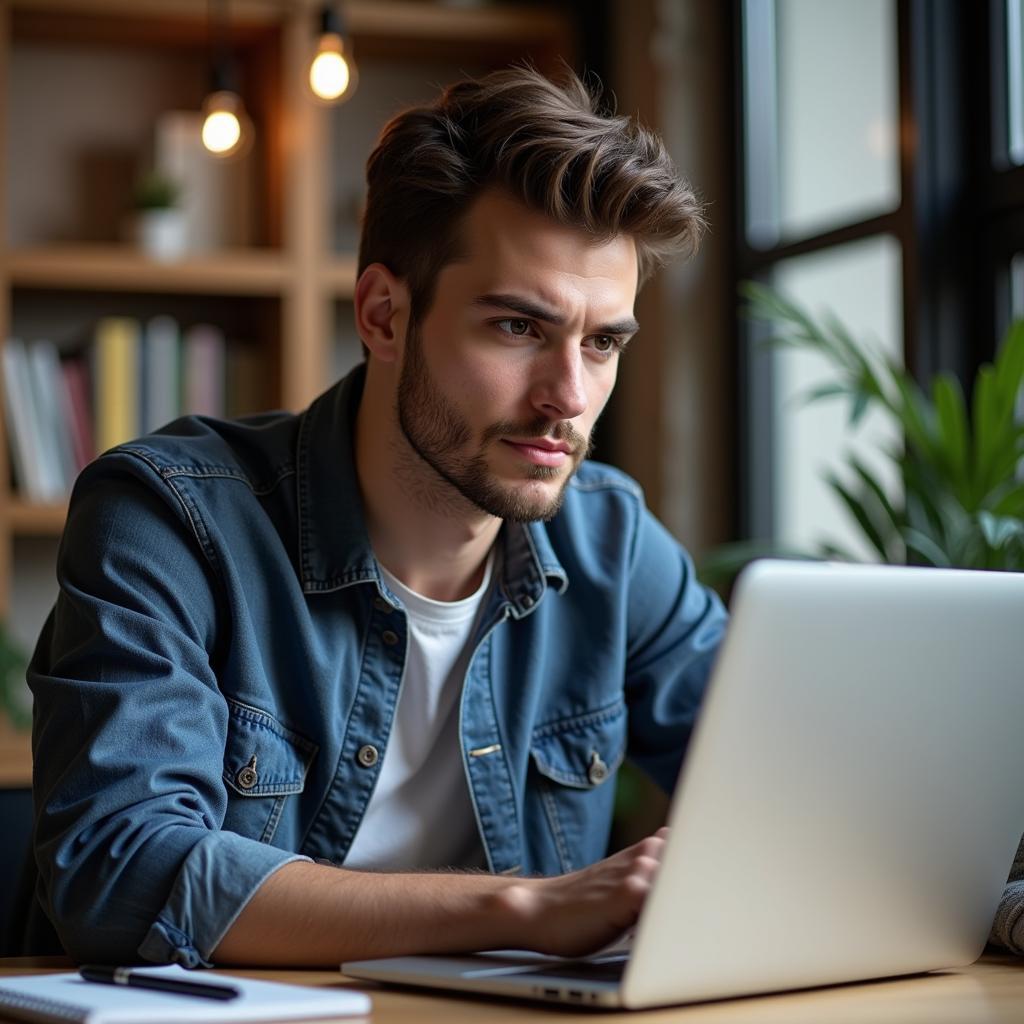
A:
503	380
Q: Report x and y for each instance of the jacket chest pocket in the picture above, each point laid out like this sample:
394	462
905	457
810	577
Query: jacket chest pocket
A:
264	764
574	765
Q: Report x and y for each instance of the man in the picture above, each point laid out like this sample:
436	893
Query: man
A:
357	682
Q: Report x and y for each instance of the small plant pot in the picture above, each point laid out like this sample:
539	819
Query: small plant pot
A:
161	234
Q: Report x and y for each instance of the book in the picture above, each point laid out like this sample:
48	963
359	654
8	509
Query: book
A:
203	371
115	374
19	416
161	372
54	429
78	410
68	997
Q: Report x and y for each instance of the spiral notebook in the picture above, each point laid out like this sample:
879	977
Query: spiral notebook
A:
67	997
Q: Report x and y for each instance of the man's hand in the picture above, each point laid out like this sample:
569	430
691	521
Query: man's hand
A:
577	914
312	914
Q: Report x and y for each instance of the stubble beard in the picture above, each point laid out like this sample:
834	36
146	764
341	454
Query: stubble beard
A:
437	433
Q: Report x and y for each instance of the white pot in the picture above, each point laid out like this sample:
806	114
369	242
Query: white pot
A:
161	234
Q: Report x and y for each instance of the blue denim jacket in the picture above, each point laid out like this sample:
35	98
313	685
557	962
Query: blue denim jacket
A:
224	653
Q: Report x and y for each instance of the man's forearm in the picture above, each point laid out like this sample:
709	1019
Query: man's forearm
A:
310	914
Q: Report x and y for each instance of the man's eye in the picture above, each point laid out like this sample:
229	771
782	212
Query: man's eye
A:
606	344
517	327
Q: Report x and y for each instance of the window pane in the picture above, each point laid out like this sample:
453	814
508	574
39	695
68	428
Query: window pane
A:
822	114
1015	78
860	284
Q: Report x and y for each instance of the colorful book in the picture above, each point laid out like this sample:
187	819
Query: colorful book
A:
78	410
115	374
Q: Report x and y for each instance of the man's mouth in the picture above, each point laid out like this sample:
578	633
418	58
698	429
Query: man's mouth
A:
542	451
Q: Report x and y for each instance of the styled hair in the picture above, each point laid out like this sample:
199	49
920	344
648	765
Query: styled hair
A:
549	145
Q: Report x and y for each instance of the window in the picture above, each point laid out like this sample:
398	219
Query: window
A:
880	175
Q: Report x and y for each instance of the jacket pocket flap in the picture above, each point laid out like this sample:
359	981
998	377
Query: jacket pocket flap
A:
262	757
582	751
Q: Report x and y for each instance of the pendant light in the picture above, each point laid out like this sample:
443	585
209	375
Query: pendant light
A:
227	129
333	75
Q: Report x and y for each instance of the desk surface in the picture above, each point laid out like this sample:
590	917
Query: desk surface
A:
989	992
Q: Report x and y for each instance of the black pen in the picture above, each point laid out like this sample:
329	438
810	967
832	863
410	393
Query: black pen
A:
175	986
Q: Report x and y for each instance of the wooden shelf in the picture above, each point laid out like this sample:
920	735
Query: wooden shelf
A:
31	519
123	268
435	23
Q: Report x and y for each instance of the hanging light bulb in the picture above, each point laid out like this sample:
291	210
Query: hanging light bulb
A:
227	130
332	72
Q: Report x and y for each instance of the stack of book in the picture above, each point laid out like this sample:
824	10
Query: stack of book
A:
63	410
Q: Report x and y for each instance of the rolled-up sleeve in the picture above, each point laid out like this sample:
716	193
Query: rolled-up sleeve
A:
1008	926
129	733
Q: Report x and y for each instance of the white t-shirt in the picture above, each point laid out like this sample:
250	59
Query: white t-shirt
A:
420	814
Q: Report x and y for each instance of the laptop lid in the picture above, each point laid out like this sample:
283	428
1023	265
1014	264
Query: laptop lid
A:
851	800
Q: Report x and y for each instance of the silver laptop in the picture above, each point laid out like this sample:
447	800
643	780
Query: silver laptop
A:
849	808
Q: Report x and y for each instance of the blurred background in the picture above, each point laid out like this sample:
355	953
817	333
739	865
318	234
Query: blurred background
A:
158	257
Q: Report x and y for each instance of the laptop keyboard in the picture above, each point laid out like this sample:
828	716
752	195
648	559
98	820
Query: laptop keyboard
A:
610	969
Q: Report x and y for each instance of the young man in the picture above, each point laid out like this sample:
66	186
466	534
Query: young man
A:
300	663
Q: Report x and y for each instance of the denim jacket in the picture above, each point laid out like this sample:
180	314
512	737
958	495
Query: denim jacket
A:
216	683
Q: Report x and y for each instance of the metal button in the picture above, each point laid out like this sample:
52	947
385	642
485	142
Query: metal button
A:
598	770
247	777
382	606
527	601
367	755
390	637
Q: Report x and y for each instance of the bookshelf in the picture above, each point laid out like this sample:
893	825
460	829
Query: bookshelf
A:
84	80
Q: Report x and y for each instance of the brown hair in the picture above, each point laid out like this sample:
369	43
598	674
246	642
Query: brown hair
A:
548	145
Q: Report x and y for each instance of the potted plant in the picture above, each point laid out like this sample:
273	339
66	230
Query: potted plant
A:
159	224
962	499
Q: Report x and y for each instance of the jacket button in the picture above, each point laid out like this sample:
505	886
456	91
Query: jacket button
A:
598	770
390	637
367	755
247	777
381	605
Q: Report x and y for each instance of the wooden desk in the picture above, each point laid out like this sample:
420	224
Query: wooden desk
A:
989	992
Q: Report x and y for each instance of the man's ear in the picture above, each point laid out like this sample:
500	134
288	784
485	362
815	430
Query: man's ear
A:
382	311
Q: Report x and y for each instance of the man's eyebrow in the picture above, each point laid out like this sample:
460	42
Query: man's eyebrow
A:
535	311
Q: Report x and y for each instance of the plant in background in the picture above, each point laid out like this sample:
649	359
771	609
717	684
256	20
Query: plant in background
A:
155	191
159	226
13	700
962	501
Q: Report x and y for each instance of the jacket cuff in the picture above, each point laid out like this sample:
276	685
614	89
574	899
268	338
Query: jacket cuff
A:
1008	927
219	877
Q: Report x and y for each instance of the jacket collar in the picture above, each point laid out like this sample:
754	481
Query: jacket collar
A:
334	546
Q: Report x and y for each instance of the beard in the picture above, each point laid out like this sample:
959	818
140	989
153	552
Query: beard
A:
439	434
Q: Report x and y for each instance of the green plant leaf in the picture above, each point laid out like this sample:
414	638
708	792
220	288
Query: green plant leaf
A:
861	513
820	392
925	546
893	519
999	530
952	421
1009	364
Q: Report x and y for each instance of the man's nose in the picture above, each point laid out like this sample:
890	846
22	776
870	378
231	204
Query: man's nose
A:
559	390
